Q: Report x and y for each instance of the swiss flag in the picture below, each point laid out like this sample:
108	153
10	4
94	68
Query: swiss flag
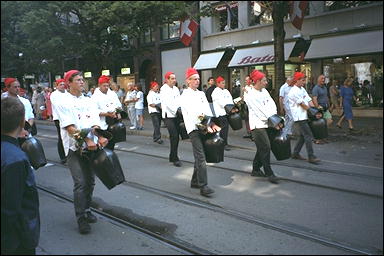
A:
188	28
297	12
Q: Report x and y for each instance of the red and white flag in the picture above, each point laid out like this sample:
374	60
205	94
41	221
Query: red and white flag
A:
297	12
188	28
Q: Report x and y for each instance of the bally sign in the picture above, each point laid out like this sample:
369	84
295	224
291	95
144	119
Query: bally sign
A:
258	55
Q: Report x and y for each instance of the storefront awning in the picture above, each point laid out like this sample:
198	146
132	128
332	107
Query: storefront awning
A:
208	60
334	46
258	55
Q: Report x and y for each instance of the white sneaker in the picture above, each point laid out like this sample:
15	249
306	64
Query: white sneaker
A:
132	128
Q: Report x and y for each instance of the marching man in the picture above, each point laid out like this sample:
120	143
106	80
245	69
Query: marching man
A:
194	104
153	99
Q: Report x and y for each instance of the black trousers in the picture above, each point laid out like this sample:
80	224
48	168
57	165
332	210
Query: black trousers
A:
199	176
224	125
156	121
263	154
305	137
174	133
60	148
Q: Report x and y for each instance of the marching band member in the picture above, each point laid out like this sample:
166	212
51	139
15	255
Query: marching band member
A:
77	113
284	107
194	104
153	99
247	87
261	106
220	98
106	101
169	97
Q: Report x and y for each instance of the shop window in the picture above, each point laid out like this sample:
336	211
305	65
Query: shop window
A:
170	31
226	17
147	37
260	12
337	5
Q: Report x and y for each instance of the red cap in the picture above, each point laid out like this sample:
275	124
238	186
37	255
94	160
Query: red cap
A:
256	75
219	79
168	74
59	81
297	76
153	84
104	79
68	74
190	72
9	80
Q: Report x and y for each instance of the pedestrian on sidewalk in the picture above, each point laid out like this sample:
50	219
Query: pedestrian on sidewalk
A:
58	97
139	107
299	103
194	104
220	98
130	100
284	107
334	96
48	103
76	114
208	93
347	97
170	103
153	99
20	217
261	107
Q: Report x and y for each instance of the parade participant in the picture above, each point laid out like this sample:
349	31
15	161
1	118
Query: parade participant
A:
220	98
321	101
245	89
284	107
106	101
130	100
153	99
20	218
261	106
58	97
139	107
299	102
76	114
13	90
169	98
195	104
208	93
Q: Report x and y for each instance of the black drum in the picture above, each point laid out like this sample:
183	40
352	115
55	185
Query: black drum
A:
280	145
319	128
235	121
107	167
228	108
312	112
183	131
119	131
35	152
214	148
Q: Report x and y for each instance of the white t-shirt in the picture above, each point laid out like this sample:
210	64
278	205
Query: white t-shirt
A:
220	98
140	103
284	90
81	112
296	96
193	104
105	103
56	98
153	98
169	98
261	106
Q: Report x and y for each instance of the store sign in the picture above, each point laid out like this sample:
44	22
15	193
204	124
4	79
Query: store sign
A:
125	71
224	7
29	76
256	60
87	74
105	72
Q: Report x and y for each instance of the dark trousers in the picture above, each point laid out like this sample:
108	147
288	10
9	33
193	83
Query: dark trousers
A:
84	182
19	251
199	176
156	121
263	154
224	125
174	133
60	148
305	137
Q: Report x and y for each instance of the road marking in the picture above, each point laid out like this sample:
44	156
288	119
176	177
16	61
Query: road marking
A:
344	163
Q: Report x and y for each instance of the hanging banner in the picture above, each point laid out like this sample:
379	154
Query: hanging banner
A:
125	71
105	72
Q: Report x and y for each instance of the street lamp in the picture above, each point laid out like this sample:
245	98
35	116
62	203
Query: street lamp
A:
44	61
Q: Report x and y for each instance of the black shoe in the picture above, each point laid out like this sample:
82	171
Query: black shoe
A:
205	191
257	173
247	136
298	157
273	179
159	141
226	148
194	185
90	217
84	227
177	163
313	160
63	161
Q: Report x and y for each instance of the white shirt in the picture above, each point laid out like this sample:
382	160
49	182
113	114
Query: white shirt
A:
261	106
27	106
246	91
131	95
169	98
140	103
56	98
193	104
296	96
105	103
284	90
220	98
81	112
153	98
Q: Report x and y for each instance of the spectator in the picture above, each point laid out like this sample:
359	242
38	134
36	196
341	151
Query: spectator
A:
130	102
347	97
139	107
40	103
48	104
334	95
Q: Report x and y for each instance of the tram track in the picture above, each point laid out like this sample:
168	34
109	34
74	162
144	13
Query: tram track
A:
244	172
291	231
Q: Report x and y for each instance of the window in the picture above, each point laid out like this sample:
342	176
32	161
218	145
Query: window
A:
260	13
226	17
147	37
337	5
170	31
